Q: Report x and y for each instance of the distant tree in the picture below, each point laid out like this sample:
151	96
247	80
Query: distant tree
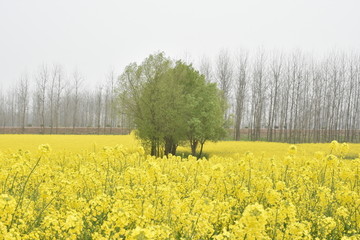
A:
241	79
98	106
54	92
3	112
224	77
42	80
23	93
274	86
206	69
59	89
258	95
109	114
77	84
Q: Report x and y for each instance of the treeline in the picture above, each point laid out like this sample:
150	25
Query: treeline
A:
54	99
273	96
290	98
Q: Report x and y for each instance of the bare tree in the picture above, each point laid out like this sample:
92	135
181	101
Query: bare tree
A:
240	94
110	112
23	92
98	106
3	112
42	79
258	95
58	92
77	84
224	75
66	108
206	69
276	66
53	95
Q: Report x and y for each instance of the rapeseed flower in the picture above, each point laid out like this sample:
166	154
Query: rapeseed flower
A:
116	192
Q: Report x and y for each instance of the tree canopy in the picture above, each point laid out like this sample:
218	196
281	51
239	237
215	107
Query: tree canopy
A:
171	103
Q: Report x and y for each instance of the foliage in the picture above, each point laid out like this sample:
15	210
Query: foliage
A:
171	103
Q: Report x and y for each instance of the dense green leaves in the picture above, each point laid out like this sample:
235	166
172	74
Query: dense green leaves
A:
171	104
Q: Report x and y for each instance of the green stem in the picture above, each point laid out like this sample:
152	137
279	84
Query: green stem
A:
19	203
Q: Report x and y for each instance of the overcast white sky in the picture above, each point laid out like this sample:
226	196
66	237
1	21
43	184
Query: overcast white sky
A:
95	36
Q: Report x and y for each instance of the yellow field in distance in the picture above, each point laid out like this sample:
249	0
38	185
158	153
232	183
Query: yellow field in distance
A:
94	143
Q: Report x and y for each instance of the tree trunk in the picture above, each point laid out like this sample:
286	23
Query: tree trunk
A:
153	151
201	148
193	144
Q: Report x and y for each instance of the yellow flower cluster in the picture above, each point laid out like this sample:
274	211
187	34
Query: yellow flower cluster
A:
121	193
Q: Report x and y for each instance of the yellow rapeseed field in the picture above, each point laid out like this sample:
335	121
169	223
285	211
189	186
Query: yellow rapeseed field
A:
94	143
87	187
69	143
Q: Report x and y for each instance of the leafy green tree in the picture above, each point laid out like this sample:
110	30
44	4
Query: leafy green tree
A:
140	98
171	104
162	122
205	108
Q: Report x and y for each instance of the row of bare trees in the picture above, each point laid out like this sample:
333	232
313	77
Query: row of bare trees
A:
289	97
53	99
271	96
